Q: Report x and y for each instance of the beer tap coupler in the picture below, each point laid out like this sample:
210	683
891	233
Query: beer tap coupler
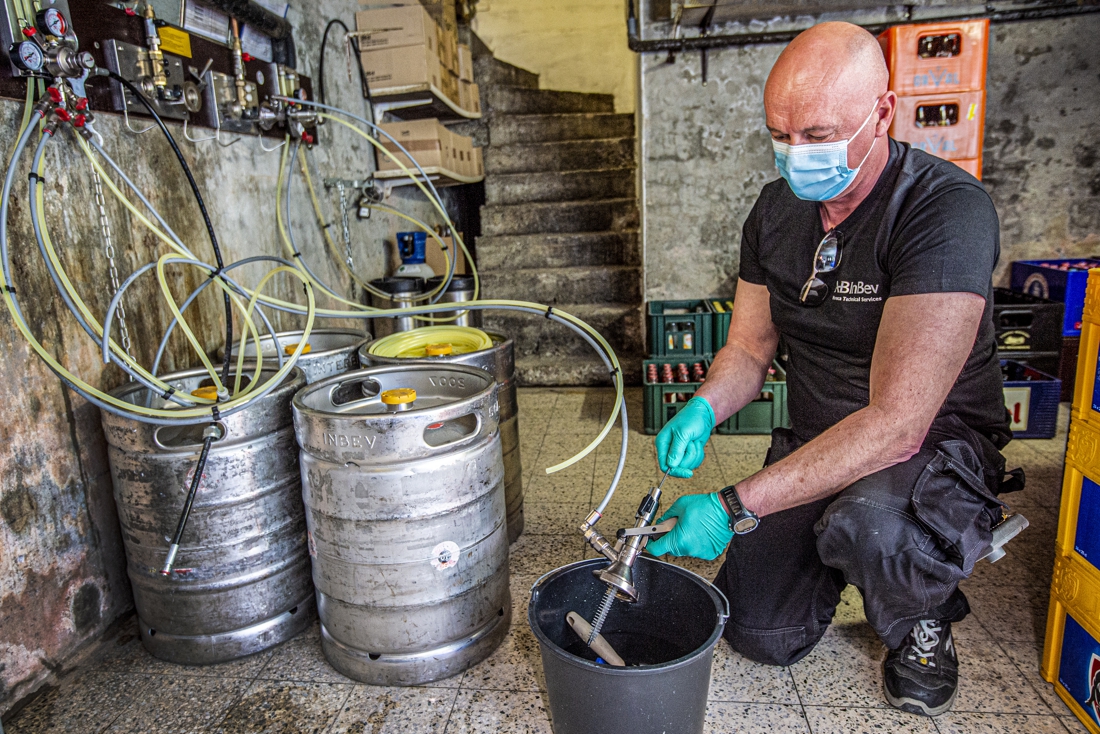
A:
620	574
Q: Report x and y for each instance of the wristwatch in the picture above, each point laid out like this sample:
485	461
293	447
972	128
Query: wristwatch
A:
742	520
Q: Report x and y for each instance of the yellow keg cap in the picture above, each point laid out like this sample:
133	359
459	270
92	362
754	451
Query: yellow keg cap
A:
209	392
438	350
289	348
398	396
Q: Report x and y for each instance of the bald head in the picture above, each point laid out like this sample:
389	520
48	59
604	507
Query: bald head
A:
826	81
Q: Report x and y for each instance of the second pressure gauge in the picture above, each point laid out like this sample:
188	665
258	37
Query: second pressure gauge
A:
51	22
28	56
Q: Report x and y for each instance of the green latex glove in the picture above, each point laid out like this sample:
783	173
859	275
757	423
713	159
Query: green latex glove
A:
703	530
681	442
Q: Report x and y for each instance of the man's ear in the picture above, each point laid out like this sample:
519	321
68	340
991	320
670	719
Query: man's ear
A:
886	117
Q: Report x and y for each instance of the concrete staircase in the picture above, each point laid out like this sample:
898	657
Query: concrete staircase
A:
560	222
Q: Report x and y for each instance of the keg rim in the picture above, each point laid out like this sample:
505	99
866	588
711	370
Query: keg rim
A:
301	408
363	338
295	374
499	341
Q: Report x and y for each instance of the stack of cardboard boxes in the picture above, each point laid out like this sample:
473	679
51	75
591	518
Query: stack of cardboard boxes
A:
938	72
405	47
433	146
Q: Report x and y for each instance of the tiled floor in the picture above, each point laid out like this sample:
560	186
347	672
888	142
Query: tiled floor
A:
837	688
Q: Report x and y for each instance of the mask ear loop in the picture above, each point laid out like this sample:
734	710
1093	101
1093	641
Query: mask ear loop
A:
873	140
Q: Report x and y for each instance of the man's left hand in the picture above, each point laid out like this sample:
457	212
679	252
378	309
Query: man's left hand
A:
703	530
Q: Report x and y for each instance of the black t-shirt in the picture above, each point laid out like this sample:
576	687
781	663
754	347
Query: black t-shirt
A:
926	227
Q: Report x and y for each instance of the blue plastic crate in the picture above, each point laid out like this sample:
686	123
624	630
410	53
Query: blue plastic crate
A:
1032	398
1057	280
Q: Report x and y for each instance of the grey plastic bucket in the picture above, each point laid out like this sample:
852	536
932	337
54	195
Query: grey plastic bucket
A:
672	630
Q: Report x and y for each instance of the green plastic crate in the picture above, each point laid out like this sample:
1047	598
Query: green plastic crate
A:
720	320
679	329
662	400
767	412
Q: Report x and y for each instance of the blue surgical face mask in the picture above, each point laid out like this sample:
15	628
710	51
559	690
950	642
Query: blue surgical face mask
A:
819	171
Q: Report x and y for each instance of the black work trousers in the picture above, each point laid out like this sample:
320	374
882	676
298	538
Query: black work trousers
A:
904	536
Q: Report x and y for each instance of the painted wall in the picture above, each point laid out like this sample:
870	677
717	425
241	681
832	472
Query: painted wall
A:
706	154
62	572
573	45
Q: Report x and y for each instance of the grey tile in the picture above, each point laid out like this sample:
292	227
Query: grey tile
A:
990	682
179	705
727	717
280	707
1074	725
736	678
843	670
554	518
132	657
302	659
829	720
534	555
1027	658
87	702
493	712
968	723
573	484
514	666
395	711
1012	613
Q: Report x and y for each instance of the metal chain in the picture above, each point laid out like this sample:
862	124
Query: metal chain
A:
344	218
109	252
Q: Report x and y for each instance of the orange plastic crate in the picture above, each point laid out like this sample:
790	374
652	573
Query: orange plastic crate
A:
973	166
946	125
933	58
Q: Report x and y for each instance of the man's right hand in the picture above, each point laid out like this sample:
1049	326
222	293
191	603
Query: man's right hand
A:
681	442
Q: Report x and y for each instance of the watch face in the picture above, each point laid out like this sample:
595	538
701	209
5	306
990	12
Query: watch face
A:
745	525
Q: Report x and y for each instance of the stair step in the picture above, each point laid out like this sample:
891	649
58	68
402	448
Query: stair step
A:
574	216
518	188
580	370
574	155
511	129
490	72
620	324
583	284
524	101
558	250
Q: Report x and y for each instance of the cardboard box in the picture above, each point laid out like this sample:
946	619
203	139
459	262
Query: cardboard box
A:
449	50
479	164
428	141
396	27
469	96
433	256
408	66
451	87
465	63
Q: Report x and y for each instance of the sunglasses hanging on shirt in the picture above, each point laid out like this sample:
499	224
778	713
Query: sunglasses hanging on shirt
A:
826	260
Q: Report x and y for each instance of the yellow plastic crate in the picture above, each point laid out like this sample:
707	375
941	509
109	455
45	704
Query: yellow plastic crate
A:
1071	656
1079	513
1086	395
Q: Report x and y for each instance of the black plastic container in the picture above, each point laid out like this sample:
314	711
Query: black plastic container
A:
672	629
1026	323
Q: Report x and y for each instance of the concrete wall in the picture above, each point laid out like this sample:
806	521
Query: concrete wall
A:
573	45
705	152
62	570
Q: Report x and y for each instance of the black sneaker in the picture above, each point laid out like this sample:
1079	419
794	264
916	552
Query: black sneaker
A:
922	676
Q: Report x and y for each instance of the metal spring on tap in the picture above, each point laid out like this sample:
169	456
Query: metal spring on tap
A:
601	615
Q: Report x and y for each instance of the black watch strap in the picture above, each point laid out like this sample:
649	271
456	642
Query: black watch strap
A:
741	520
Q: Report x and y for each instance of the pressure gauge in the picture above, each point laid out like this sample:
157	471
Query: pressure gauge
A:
51	22
28	56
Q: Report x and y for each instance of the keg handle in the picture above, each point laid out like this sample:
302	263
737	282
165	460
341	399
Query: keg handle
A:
478	423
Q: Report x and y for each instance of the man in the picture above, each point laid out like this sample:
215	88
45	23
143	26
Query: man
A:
874	263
